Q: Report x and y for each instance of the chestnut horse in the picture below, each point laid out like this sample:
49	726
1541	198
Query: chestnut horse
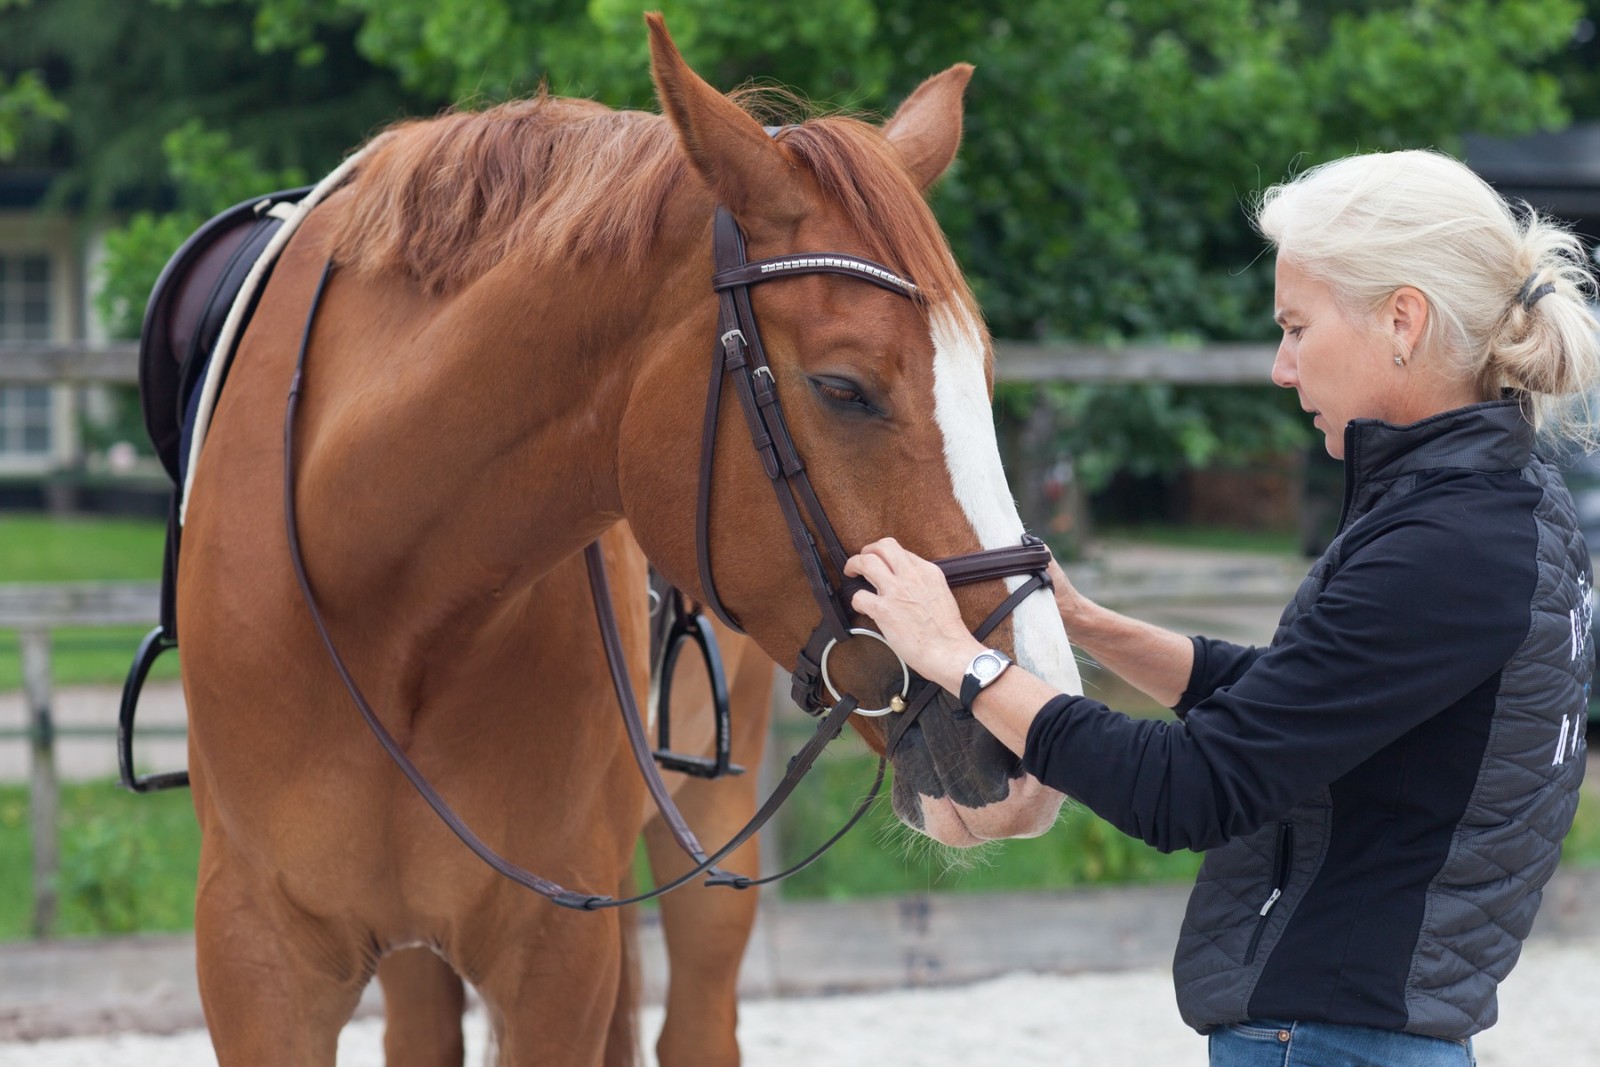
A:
508	360
705	929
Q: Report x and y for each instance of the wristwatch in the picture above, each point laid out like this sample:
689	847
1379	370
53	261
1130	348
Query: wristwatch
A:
985	667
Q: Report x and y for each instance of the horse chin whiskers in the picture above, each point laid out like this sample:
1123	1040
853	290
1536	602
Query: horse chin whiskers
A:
946	859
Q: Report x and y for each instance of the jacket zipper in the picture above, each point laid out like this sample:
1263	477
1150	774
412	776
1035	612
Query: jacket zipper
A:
1350	469
1282	857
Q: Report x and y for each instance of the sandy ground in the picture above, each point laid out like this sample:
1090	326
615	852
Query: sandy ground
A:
1069	1021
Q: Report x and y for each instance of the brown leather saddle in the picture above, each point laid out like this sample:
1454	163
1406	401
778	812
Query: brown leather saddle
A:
182	324
187	308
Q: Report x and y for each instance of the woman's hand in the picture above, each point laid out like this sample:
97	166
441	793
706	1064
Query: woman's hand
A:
1069	602
913	607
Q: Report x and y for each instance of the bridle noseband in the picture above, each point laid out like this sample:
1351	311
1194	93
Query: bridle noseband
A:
738	354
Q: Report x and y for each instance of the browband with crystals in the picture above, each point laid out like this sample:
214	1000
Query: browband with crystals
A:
831	263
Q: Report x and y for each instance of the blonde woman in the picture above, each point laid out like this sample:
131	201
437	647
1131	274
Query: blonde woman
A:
1382	791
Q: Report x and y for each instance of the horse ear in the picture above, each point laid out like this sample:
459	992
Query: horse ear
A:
927	128
728	148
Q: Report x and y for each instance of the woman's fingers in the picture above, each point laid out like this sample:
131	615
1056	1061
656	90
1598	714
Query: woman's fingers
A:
884	551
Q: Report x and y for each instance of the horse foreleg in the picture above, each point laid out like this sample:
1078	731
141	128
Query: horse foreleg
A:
707	929
551	987
622	1042
423	999
276	985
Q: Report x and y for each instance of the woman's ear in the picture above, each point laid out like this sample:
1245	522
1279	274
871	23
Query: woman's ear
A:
1406	316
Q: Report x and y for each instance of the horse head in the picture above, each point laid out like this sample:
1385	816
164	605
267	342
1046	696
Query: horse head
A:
885	390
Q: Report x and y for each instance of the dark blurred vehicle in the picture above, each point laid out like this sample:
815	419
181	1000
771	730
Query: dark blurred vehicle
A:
1582	474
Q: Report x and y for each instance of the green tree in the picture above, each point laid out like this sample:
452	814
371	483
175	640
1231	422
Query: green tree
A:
207	173
1109	145
1100	195
24	102
130	72
1110	148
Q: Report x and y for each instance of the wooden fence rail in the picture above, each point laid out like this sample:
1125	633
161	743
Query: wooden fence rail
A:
1015	361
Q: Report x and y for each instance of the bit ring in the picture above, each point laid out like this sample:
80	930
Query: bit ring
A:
897	703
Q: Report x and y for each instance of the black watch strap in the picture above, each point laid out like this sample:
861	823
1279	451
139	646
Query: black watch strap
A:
970	688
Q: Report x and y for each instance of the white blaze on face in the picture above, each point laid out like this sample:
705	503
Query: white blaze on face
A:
972	454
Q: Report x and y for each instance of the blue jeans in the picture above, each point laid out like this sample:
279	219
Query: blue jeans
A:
1267	1043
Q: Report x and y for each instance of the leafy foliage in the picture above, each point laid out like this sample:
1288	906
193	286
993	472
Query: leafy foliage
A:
24	100
130	72
1110	151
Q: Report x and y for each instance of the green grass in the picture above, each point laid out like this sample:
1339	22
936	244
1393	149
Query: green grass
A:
36	549
1582	845
881	856
1275	542
83	656
128	863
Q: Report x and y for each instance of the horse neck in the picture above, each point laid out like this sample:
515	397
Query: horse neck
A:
469	444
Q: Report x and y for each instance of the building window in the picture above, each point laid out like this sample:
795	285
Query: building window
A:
26	412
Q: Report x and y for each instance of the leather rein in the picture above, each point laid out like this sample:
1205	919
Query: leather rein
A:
740	356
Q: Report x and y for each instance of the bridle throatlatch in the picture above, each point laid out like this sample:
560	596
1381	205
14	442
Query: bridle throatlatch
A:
739	355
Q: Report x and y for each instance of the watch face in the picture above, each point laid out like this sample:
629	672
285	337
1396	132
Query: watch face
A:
987	666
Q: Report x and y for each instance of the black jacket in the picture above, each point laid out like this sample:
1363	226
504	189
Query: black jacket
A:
1385	787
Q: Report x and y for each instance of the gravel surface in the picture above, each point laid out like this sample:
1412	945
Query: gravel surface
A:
1068	1021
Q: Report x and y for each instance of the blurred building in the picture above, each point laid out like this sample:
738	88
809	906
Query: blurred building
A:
44	299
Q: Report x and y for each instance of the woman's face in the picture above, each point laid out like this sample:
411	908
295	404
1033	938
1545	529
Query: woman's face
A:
1341	370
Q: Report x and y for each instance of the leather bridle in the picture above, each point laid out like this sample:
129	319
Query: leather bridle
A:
744	359
739	355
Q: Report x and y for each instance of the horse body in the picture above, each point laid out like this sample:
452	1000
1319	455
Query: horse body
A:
505	364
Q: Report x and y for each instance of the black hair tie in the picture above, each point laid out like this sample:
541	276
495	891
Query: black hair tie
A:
1528	296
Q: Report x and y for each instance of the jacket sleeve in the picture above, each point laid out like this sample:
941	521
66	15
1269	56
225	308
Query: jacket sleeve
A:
1419	614
1216	664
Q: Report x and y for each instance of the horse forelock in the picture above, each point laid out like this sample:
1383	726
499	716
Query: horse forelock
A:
862	174
443	200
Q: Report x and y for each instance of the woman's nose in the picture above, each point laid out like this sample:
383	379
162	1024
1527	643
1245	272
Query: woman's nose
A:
1283	366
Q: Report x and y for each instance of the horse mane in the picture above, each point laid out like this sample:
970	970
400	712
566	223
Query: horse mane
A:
443	200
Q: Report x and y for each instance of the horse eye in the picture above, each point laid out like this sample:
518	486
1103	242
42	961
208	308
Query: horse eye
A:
846	395
839	392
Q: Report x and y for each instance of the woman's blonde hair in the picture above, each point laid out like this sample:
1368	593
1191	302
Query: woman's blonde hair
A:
1508	290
